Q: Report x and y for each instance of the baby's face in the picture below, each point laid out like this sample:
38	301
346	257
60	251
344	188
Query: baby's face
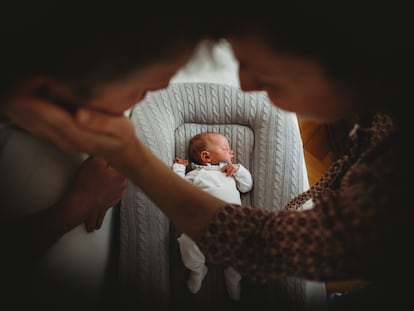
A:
219	148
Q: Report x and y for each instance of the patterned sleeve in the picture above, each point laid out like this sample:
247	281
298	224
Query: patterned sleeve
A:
266	245
338	238
359	223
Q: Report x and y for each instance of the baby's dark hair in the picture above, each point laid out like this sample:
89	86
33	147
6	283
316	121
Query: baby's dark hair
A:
197	144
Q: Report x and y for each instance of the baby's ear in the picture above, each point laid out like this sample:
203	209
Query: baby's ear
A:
205	156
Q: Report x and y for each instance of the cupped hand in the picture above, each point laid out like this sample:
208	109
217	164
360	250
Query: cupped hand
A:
111	133
96	188
45	119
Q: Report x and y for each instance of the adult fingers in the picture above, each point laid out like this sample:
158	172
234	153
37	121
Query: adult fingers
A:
103	123
100	220
112	133
44	119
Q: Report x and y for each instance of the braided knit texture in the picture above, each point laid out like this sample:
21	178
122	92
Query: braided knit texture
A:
265	139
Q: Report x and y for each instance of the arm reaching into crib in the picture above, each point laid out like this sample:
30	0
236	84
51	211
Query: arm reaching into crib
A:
178	199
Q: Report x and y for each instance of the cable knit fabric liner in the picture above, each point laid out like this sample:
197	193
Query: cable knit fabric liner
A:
265	139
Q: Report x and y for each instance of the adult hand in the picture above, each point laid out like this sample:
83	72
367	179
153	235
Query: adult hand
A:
113	136
96	188
45	119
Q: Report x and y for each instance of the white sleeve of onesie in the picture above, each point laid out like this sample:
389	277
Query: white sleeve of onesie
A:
179	169
244	179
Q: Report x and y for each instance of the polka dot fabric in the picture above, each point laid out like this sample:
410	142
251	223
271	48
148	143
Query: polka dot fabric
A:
333	239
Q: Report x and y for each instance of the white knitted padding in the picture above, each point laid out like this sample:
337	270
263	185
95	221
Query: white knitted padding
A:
265	139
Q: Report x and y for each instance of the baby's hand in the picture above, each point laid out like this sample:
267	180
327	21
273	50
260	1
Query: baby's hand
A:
230	169
181	161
